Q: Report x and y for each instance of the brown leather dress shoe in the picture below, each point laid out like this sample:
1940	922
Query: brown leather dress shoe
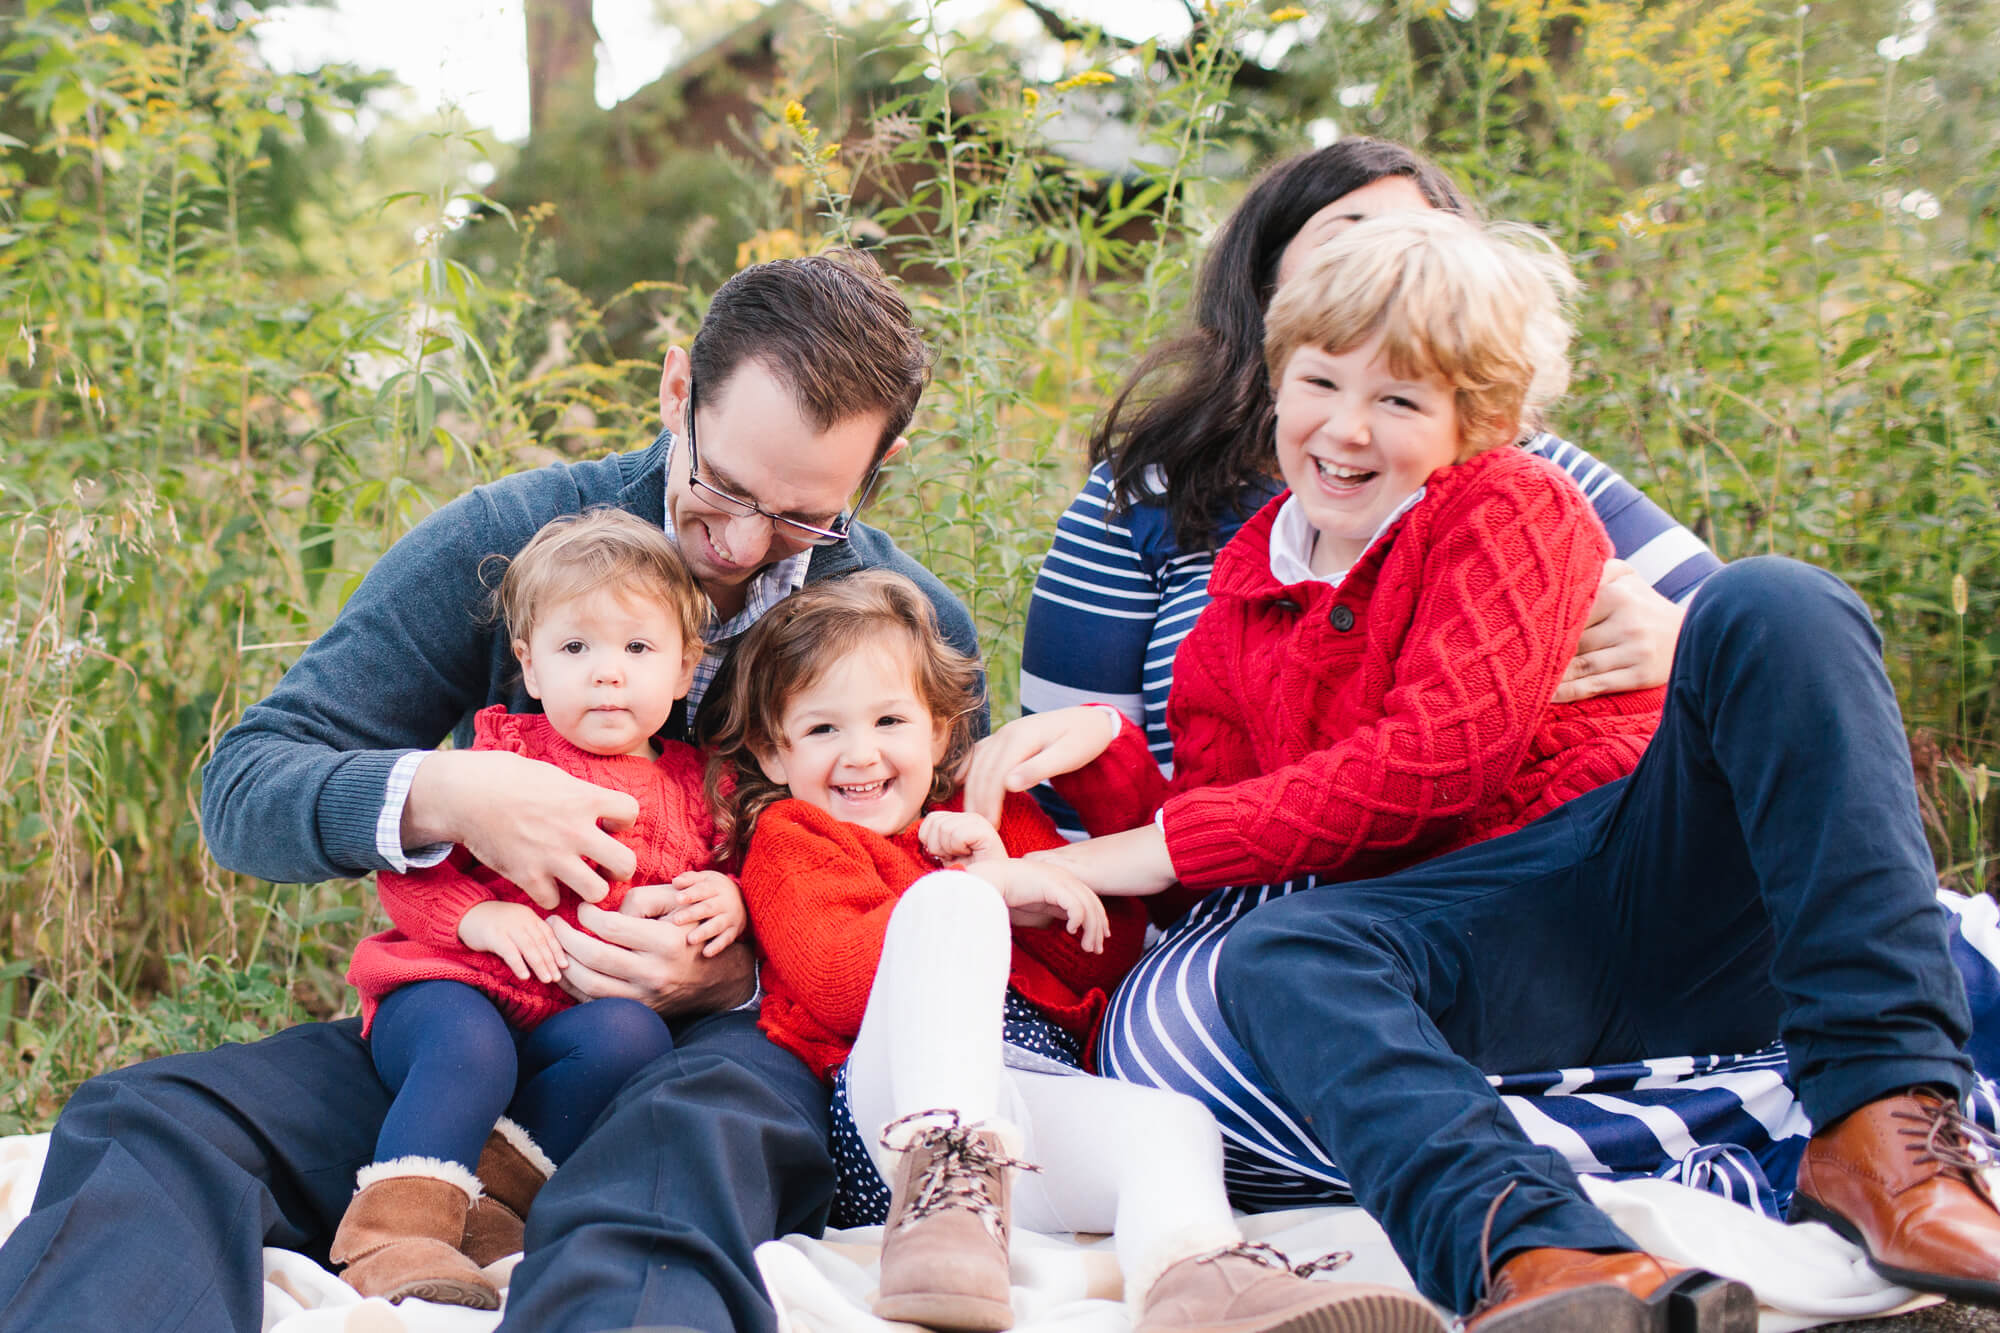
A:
1900	1178
1578	1291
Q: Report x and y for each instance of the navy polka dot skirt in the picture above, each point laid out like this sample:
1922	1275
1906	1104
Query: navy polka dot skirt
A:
860	1195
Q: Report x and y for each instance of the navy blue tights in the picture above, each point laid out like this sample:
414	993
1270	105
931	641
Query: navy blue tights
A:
455	1067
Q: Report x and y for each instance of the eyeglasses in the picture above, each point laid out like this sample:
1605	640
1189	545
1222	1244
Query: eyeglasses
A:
738	506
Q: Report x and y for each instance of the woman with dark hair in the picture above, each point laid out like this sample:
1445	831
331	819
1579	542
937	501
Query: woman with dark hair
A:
1183	456
1181	459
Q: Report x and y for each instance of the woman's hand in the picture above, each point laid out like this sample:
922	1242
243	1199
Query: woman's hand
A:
517	935
1031	750
712	907
954	837
1038	893
1629	642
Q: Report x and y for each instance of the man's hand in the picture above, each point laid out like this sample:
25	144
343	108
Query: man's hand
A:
517	935
711	903
1032	750
1039	893
638	954
1629	642
524	819
954	837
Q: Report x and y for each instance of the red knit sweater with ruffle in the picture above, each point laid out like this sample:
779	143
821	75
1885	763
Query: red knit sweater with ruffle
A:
820	892
1356	730
673	833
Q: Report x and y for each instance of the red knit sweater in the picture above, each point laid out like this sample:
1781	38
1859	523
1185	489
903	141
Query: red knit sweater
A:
673	833
1352	731
820	892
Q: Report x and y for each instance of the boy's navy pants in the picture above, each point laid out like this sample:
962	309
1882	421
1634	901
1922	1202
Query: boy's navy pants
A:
1763	871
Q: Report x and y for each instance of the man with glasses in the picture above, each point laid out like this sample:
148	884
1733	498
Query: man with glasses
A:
179	1171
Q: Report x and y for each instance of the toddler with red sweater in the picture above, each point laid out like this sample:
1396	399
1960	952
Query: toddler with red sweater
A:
461	1001
948	989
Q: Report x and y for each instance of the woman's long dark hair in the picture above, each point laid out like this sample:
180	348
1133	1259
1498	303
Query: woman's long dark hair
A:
1207	428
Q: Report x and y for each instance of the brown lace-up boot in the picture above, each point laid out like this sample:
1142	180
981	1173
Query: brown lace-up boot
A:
512	1170
1254	1289
399	1237
1901	1178
1578	1291
944	1247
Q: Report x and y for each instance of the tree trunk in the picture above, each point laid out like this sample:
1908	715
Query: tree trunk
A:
562	62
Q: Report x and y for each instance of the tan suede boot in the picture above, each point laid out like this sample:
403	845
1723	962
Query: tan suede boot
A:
1252	1289
944	1248
512	1170
400	1235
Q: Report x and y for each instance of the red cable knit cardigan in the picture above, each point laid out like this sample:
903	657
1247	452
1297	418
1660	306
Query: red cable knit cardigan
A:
673	833
820	892
1356	730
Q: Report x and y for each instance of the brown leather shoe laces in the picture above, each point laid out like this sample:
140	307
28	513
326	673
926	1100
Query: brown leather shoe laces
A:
1502	1290
959	1172
1950	1140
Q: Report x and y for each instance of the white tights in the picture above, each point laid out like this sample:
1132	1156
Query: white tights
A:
1141	1163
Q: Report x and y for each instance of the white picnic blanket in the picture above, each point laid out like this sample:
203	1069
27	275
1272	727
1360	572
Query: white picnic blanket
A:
1803	1275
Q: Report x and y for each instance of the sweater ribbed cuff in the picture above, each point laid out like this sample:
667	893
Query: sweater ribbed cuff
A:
1206	842
349	805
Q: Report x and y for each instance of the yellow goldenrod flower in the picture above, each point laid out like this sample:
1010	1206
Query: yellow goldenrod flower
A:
1287	14
1089	78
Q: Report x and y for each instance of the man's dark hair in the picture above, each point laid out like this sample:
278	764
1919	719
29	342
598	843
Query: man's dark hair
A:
832	326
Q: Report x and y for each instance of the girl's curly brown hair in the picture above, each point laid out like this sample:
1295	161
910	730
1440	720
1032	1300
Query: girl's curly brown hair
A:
788	649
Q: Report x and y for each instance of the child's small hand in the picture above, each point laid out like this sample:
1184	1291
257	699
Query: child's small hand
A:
955	837
1039	893
713	904
517	935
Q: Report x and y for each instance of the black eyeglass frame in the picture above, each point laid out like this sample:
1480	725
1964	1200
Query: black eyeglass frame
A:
743	507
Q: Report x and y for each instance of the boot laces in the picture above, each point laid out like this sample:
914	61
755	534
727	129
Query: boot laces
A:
962	1171
1941	1133
1500	1290
1273	1258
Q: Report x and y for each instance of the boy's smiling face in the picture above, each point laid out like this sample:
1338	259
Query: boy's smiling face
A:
1355	440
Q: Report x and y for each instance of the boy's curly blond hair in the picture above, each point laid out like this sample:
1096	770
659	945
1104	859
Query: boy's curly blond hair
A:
1482	306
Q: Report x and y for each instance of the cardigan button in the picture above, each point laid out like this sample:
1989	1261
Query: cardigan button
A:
1341	617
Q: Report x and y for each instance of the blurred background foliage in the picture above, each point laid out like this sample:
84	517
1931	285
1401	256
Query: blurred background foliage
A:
252	332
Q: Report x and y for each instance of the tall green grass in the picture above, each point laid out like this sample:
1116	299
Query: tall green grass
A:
216	412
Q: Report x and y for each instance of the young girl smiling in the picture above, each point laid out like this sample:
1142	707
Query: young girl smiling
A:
951	1007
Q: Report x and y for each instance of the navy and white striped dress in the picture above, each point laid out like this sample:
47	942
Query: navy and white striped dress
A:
1113	601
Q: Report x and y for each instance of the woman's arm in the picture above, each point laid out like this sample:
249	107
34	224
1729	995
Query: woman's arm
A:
1468	689
1628	643
1089	620
1661	551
